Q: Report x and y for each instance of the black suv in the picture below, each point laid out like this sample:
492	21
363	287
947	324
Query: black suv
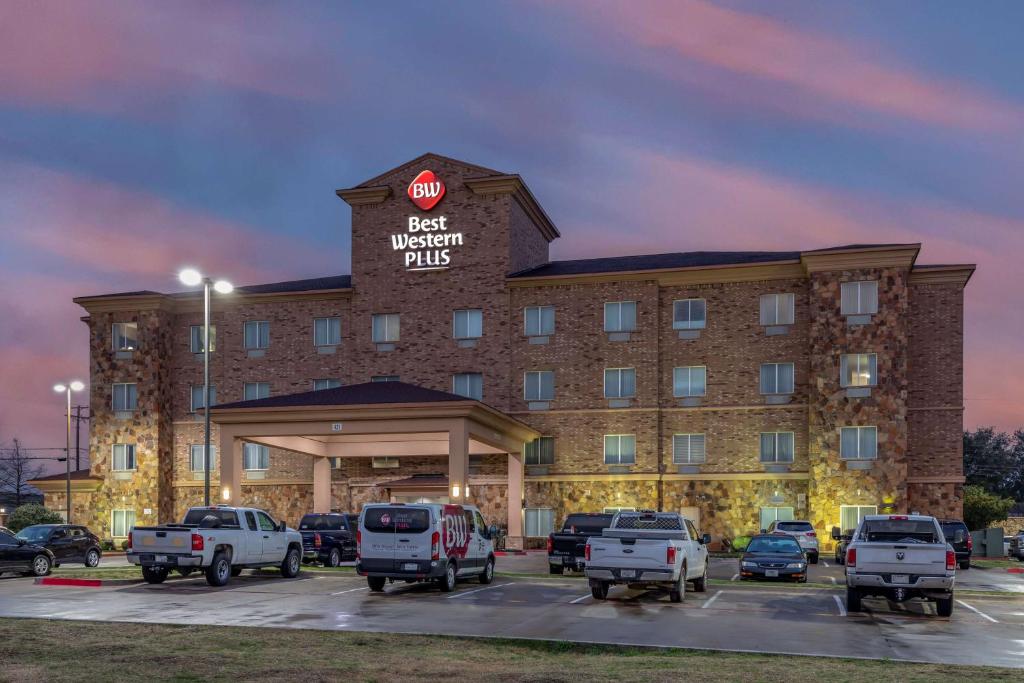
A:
328	538
67	542
958	536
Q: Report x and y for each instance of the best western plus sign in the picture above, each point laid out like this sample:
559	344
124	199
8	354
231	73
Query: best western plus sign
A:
430	250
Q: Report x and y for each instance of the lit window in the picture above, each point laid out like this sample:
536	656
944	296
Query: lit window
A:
539	321
859	298
326	331
850	516
540	522
125	397
540	451
778	309
255	457
858	443
620	316
858	370
196	457
252	391
539	386
123	457
197	397
619	449
257	335
688	449
776	446
689	381
125	336
385	328
619	383
121	522
777	378
468	384
468	324
770	515
196	337
320	384
689	314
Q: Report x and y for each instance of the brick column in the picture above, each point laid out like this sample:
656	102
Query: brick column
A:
514	539
321	485
230	452
458	461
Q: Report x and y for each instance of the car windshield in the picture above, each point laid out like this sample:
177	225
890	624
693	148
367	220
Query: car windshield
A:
321	523
794	526
767	544
586	523
898	531
35	534
197	515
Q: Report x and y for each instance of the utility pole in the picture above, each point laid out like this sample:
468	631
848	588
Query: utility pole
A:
78	450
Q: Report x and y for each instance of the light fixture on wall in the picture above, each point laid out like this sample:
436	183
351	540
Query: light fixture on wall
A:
226	493
455	490
467	491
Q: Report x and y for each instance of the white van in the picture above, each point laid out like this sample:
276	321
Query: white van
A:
423	542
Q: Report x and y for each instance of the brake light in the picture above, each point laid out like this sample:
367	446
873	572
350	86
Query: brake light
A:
551	545
197	542
359	544
435	546
586	552
316	541
670	555
851	557
129	540
809	533
898	517
950	560
970	542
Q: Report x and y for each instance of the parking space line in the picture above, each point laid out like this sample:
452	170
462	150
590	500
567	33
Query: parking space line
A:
485	588
834	583
582	598
840	605
977	611
351	590
825	563
734	577
713	598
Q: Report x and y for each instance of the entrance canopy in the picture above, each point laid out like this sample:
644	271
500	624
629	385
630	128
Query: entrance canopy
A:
375	419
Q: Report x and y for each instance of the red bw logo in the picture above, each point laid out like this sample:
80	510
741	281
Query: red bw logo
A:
426	190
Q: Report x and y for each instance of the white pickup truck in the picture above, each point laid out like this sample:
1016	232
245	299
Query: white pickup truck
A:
900	557
648	550
220	540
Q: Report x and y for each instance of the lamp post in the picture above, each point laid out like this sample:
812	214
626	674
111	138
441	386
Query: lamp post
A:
74	385
192	278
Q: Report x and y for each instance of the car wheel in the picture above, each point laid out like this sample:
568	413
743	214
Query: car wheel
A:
701	585
41	565
555	569
334	559
488	574
92	558
813	558
852	599
154	574
966	564
448	580
944	607
292	564
599	589
679	589
376	583
839	559
219	571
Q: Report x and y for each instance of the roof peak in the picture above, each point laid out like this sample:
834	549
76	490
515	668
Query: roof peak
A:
423	157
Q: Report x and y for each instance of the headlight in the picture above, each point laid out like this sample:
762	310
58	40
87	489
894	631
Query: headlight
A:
795	565
748	565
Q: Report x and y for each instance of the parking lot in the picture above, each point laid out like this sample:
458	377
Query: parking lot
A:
984	629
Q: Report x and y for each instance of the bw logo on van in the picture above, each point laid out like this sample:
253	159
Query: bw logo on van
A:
426	190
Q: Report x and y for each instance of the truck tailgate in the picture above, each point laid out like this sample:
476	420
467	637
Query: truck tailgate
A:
631	553
160	540
898	558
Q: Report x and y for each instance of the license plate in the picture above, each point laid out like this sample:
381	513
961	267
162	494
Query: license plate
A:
771	572
900	578
568	561
161	558
628	573
410	567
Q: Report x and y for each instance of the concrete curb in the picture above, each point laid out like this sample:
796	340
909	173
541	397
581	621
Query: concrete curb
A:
83	583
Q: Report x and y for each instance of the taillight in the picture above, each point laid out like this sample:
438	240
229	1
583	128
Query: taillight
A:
586	552
435	546
359	544
551	545
898	517
851	557
810	533
670	555
197	541
970	542
129	540
316	541
950	560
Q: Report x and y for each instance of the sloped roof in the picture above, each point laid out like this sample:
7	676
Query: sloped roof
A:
368	393
687	259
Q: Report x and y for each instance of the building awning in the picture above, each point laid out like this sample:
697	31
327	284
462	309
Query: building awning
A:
418	481
81	480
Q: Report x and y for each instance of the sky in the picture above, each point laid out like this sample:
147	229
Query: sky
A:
137	137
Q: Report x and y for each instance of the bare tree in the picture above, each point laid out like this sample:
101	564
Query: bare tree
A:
17	468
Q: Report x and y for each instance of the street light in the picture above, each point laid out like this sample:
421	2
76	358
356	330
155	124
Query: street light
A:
73	385
191	277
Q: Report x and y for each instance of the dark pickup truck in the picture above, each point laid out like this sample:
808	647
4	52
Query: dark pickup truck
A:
328	538
566	548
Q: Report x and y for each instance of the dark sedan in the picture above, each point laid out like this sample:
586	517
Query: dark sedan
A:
68	542
18	555
773	556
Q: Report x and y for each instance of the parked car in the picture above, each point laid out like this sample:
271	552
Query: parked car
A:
566	548
773	556
802	531
1016	548
424	542
5	530
659	550
220	540
327	538
959	536
900	557
18	555
842	539
68	542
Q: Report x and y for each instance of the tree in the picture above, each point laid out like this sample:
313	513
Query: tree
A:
30	514
17	468
982	508
995	461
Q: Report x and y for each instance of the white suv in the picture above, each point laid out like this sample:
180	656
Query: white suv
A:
803	532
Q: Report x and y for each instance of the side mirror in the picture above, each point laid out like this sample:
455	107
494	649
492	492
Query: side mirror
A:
836	534
22	541
492	531
283	526
763	531
705	539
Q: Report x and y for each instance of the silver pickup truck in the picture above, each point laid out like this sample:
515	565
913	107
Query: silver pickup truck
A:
900	557
220	540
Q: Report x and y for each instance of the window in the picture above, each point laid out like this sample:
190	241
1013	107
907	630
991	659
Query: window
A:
777	378
196	457
125	397
252	390
850	516
125	336
619	383
613	510
769	515
778	309
197	397
689	381
540	522
539	385
255	457
384	378
468	324
469	384
858	370
257	334
265	522
121	522
619	449
539	321
123	457
689	314
687	449
776	446
326	331
859	298
197	338
540	451
385	328
858	443
620	316
319	384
